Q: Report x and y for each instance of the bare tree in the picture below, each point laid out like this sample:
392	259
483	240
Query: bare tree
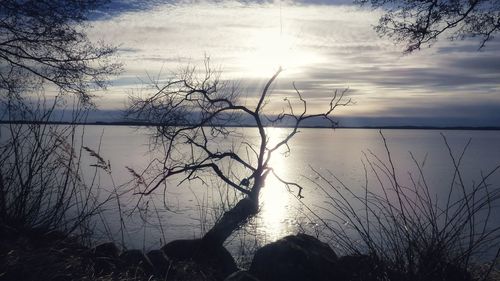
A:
420	23
44	41
192	115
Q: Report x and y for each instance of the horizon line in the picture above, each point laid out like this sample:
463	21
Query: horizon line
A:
148	124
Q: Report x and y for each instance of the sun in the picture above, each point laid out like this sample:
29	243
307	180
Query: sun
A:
268	49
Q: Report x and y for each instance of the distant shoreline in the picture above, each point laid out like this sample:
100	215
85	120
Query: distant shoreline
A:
144	124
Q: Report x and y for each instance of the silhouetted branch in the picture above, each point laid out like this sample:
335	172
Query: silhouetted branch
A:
191	116
42	41
417	23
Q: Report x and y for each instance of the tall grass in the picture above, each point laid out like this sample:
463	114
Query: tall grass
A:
407	230
41	180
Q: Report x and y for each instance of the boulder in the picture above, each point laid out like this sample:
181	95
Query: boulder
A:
132	259
183	249
294	258
241	275
159	261
105	257
212	257
190	271
106	250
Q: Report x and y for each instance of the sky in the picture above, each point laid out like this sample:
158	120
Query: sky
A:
321	45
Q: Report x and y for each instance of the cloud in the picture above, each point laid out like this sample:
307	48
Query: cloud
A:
323	46
478	65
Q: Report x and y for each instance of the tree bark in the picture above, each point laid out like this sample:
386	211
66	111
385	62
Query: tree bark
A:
236	216
231	221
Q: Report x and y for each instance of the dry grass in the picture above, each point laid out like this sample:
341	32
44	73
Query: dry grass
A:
406	229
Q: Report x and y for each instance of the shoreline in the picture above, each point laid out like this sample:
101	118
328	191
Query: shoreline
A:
144	124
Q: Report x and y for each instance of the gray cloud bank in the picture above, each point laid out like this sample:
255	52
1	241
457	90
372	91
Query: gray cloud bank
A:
322	45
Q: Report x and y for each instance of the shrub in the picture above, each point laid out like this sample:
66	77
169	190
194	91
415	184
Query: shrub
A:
41	183
405	229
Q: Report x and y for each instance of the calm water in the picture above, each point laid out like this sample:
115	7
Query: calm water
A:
188	210
193	206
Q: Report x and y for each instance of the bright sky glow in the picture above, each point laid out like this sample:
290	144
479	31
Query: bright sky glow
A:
321	48
272	50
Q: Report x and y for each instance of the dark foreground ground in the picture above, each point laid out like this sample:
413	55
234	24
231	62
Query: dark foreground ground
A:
36	255
28	254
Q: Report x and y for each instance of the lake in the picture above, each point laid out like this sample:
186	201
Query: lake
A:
193	206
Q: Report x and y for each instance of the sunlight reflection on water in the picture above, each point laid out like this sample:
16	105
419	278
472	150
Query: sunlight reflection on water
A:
274	196
279	215
339	151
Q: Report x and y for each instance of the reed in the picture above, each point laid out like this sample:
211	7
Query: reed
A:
407	230
41	181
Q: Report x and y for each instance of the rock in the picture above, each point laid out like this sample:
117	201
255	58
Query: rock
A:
294	258
106	250
190	271
159	261
219	259
241	275
359	267
136	258
105	257
214	258
183	249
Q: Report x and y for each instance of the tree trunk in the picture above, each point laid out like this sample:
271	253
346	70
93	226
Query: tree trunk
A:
236	216
231	221
209	251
